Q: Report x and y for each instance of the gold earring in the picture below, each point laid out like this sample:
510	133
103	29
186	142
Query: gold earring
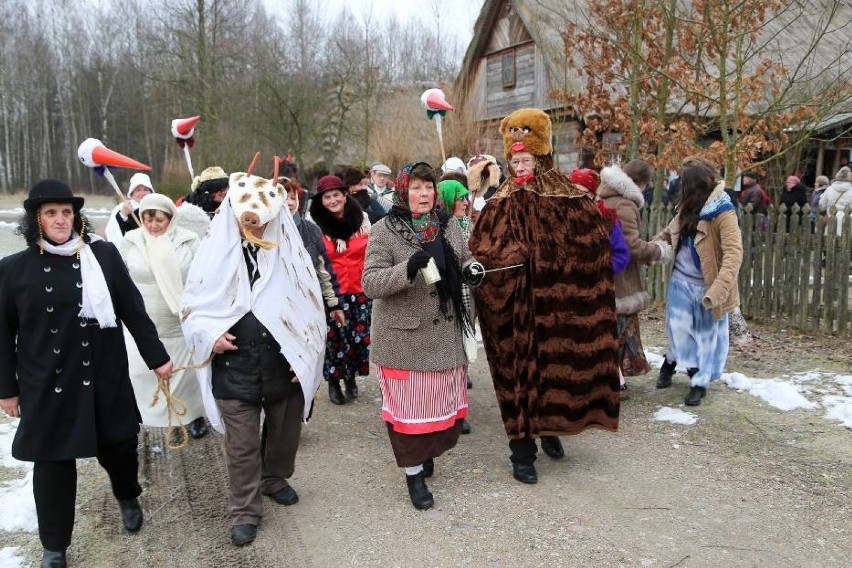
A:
81	241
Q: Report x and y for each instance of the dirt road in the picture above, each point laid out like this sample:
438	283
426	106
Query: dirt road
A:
747	485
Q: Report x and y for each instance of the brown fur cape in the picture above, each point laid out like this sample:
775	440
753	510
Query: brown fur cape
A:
549	326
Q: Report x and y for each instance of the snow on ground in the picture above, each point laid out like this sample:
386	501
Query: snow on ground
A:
675	416
812	390
780	393
9	557
17	508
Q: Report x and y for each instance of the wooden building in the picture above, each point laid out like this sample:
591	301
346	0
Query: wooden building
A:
516	60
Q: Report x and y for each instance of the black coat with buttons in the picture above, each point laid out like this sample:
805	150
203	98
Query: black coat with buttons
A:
70	375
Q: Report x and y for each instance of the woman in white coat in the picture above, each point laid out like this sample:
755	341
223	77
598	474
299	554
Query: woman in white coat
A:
158	258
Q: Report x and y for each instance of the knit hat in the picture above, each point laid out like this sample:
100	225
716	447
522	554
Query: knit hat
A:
139	179
158	202
380	168
453	164
526	130
327	183
51	191
843	174
587	178
211	180
792	180
450	191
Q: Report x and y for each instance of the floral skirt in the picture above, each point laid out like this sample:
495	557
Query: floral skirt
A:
347	347
631	354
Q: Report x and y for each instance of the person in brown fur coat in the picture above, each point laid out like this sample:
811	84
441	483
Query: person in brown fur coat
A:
548	303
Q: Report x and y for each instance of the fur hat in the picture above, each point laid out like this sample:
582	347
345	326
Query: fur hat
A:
527	130
327	183
211	180
843	174
51	191
482	173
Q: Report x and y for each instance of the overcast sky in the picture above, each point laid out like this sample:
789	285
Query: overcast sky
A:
457	16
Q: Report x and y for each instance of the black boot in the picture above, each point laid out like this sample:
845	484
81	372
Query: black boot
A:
243	534
53	559
351	387
421	498
525	472
464	427
667	371
335	395
428	467
552	446
695	395
131	514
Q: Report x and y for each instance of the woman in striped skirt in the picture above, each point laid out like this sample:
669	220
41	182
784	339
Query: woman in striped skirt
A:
417	326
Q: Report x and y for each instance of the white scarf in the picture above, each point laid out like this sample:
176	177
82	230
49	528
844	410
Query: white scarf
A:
97	302
286	299
159	254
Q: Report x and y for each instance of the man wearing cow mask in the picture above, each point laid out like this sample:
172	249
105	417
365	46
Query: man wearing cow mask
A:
252	315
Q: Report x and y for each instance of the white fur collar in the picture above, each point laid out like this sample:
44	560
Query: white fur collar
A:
620	183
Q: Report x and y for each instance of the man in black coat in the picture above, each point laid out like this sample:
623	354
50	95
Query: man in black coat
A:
63	361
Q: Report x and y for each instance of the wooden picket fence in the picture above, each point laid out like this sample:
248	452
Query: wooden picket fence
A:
800	276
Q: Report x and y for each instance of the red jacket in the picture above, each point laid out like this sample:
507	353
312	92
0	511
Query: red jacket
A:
348	264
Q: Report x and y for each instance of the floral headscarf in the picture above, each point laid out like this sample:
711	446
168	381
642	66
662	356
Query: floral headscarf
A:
426	225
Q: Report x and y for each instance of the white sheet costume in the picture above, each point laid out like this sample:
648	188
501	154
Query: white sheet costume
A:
286	298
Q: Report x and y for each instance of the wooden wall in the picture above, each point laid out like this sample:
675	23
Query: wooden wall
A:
500	101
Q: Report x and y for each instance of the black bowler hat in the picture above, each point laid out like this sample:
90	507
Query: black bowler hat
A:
51	191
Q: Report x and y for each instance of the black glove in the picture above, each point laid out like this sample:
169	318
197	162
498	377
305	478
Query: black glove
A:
473	273
417	261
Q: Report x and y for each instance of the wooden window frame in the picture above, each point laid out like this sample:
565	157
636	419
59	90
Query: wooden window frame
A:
508	72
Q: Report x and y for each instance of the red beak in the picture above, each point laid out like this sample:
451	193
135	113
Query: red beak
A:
434	101
185	125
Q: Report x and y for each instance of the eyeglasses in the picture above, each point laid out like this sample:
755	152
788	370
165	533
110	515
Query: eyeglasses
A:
525	161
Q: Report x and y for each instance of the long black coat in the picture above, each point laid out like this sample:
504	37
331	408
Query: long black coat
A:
71	375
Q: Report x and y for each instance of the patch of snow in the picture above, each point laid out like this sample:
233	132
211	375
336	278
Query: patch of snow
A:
838	408
17	507
7	435
782	394
9	557
675	416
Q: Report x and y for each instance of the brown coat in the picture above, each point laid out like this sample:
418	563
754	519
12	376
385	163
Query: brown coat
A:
549	325
618	192
719	244
408	330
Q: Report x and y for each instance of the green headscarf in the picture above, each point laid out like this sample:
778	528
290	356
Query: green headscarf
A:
450	191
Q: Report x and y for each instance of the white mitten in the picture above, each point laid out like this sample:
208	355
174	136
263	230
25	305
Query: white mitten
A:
666	251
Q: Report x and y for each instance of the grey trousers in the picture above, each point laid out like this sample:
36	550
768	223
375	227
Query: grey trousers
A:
260	456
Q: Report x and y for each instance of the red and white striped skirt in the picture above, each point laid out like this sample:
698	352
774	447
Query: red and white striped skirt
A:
421	402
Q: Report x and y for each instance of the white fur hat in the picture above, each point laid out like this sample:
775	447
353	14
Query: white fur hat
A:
139	179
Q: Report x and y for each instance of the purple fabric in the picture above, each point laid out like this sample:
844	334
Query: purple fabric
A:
620	252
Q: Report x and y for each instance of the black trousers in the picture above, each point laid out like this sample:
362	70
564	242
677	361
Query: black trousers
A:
523	450
55	489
